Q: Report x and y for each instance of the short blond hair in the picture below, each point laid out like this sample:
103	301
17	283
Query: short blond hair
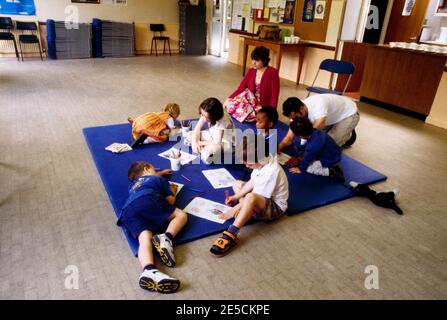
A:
173	109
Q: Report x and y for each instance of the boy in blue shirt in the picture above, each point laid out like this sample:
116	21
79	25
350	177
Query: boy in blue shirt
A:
321	154
148	211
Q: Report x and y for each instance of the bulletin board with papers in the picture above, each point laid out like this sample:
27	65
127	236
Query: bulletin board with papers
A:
246	12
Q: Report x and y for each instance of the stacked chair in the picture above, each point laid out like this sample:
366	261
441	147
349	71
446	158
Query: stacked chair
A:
66	43
113	39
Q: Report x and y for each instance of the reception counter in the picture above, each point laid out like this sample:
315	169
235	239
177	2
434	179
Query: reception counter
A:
402	78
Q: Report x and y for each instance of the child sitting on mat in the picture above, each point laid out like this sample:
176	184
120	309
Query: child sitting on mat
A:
266	119
321	154
219	137
154	127
149	210
263	198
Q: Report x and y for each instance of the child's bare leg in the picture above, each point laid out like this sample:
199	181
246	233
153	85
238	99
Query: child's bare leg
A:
177	221
233	212
250	203
145	255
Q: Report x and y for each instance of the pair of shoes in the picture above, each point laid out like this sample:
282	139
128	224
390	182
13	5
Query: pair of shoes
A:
156	281
139	141
224	244
164	248
337	173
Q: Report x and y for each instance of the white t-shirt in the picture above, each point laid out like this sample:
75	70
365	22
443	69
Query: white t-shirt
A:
271	182
334	107
225	124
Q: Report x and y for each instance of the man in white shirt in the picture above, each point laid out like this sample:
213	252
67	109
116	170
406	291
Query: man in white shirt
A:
337	115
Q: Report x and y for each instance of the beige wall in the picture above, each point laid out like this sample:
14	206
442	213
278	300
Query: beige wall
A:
155	11
438	113
142	12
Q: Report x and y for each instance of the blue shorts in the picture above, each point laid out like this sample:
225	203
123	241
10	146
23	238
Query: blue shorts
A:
142	215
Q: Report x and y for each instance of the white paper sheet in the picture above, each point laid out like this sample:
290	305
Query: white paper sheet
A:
219	178
179	186
283	158
185	157
206	209
119	147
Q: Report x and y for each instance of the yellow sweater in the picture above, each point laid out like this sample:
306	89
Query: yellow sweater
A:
151	124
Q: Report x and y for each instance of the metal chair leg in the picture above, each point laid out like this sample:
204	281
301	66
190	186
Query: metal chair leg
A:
156	49
169	46
164	47
21	50
40	51
17	51
152	45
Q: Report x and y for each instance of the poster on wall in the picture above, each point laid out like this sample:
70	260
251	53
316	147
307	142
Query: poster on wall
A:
320	9
309	11
289	12
18	7
408	7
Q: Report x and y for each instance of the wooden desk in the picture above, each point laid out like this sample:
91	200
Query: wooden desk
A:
408	79
275	46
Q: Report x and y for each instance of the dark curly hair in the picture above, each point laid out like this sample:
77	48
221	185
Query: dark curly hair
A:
261	54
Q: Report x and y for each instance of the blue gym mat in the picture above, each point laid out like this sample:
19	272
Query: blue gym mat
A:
306	191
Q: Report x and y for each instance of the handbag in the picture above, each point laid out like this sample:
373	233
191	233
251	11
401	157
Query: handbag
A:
268	32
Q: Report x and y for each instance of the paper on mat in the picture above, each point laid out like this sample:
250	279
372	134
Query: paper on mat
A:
179	186
206	209
185	157
283	158
119	147
219	178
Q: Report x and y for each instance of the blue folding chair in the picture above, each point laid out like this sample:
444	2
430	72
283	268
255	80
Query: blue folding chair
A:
333	66
7	25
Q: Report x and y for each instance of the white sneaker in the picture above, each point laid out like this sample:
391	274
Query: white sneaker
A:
154	280
164	248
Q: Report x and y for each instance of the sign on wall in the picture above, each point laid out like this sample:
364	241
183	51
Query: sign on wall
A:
18	7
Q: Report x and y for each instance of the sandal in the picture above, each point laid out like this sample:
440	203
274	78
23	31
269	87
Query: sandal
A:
224	244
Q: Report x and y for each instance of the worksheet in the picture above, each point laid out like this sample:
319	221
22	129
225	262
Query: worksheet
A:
179	186
219	178
283	158
206	209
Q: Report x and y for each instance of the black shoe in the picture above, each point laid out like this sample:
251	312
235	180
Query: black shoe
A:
351	140
337	173
139	141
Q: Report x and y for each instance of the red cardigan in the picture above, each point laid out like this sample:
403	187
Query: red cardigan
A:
269	86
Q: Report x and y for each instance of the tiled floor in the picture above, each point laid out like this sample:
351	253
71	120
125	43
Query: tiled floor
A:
54	211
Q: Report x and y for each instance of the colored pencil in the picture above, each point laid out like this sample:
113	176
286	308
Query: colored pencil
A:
185	178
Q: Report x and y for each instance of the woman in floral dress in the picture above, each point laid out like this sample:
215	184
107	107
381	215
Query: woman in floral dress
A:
259	88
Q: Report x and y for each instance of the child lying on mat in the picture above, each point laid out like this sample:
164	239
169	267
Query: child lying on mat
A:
263	198
148	211
154	127
219	137
321	154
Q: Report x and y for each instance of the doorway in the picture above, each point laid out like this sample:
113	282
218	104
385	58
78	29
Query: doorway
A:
220	28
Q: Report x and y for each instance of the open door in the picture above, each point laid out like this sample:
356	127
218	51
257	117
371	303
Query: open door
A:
406	28
217	44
